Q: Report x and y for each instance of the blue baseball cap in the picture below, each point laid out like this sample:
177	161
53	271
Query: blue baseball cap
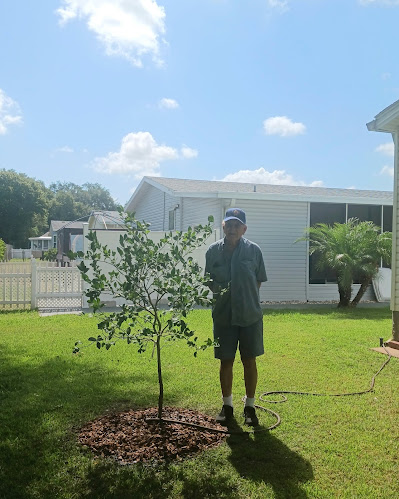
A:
235	214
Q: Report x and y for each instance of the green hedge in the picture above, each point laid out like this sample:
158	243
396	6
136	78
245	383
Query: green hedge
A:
2	249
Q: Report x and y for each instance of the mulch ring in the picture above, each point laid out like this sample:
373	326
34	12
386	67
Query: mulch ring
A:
128	438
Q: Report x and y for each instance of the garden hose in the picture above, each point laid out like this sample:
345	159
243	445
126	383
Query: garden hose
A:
273	413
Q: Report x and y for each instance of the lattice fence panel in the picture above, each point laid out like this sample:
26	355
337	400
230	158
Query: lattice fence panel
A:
15	285
59	288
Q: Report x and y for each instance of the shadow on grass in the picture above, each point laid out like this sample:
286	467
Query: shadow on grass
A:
15	311
264	458
362	313
42	406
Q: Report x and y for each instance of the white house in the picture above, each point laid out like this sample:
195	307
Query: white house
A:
276	215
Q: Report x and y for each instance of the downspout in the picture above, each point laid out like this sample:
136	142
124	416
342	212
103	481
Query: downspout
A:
394	307
181	213
164	214
307	257
227	203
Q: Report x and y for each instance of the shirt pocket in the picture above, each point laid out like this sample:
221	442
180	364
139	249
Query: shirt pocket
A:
219	272
248	266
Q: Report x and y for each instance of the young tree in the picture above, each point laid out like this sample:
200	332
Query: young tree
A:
373	247
145	274
352	250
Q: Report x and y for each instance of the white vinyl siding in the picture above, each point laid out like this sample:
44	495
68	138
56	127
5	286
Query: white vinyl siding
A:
154	206
274	226
196	211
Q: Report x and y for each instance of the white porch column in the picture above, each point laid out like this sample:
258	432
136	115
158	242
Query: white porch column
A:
395	243
388	121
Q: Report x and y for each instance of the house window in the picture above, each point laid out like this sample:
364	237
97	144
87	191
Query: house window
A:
387	219
54	241
331	213
172	220
327	213
45	245
365	213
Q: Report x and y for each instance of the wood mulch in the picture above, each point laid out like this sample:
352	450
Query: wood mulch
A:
128	438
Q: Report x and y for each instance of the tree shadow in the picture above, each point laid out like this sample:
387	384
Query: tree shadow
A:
42	407
262	457
358	313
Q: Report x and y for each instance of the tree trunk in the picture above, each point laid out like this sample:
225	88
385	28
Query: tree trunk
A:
360	293
160	382
345	294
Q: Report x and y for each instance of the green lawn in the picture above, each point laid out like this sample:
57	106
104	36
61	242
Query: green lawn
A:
324	447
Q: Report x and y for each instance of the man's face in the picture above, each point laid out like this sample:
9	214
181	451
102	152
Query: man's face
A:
234	230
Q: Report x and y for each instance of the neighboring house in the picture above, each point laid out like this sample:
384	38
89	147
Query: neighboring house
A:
40	244
277	216
66	236
107	220
63	235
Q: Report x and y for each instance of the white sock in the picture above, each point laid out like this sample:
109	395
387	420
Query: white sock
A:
249	402
228	400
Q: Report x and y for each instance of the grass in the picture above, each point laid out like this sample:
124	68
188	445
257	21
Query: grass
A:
325	446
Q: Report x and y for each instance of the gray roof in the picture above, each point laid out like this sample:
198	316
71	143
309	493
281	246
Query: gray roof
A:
46	235
185	187
60	224
106	217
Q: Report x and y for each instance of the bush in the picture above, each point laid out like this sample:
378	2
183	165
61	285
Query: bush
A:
3	248
50	255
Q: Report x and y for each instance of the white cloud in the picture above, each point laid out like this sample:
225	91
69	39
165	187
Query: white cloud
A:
127	28
283	126
65	149
10	113
168	103
140	155
262	176
188	153
388	149
387	170
379	2
282	5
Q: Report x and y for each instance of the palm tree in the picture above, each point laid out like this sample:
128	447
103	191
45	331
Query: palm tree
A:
353	250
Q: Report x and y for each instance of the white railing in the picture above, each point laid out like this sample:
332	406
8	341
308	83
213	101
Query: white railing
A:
42	285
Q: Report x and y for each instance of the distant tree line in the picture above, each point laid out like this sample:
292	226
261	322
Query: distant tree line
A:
27	206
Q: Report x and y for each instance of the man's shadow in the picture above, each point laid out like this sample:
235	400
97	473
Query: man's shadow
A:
262	457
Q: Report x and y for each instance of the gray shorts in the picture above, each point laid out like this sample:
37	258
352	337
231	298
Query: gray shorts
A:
249	339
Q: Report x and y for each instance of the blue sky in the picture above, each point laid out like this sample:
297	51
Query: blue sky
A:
272	91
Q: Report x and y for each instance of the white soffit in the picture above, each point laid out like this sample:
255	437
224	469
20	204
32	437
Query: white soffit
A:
387	120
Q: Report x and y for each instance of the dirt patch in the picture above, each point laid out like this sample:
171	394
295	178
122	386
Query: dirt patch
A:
128	438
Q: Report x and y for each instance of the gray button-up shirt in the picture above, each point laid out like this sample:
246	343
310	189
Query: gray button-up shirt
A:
238	276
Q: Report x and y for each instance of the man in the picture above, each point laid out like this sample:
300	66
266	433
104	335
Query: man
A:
236	270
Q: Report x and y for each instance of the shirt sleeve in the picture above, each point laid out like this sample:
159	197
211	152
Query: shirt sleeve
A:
206	271
261	271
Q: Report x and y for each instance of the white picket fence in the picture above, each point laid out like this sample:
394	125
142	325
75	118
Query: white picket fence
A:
42	285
